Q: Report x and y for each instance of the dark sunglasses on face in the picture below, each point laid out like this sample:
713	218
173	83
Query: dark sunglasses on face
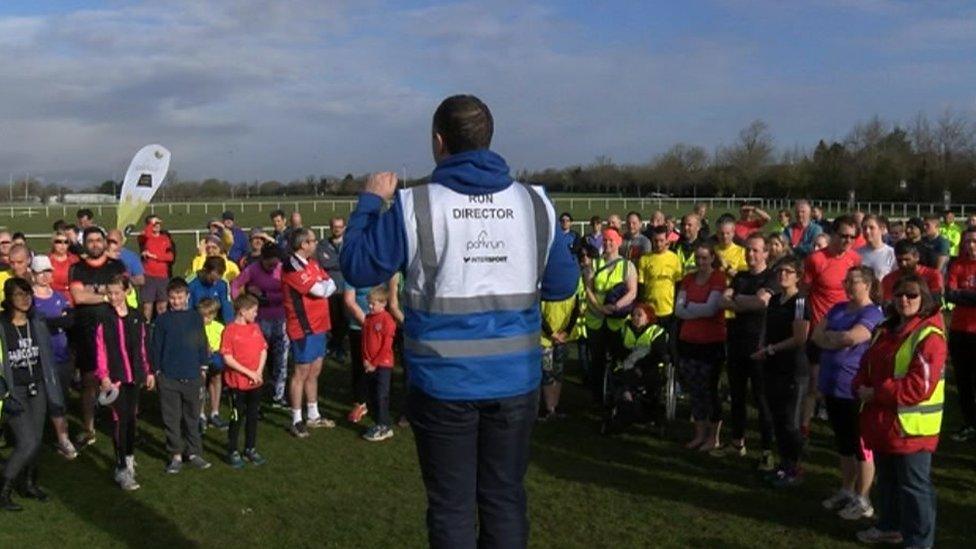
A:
909	295
60	241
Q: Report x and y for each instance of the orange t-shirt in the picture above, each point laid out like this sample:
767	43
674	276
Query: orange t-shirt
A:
703	330
244	342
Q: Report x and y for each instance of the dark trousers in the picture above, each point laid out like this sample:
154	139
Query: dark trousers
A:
603	343
179	402
27	425
124	422
473	456
742	372
962	348
906	498
379	395
359	389
244	407
784	395
340	326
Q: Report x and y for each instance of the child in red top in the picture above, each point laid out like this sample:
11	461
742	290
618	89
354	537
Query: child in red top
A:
379	329
245	351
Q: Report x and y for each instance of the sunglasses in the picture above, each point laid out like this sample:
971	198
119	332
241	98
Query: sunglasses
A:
786	271
909	295
60	241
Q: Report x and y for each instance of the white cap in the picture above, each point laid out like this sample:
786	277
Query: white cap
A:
41	263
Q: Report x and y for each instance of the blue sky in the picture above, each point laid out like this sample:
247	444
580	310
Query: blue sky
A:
261	89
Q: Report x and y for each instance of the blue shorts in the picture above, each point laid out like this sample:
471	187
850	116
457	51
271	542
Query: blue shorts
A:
309	349
216	364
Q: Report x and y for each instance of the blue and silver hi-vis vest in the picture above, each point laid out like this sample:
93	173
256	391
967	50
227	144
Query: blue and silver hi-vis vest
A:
471	301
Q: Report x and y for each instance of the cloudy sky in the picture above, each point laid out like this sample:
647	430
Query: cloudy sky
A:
261	89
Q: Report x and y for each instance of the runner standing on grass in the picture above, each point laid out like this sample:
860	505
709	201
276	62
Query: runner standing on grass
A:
472	323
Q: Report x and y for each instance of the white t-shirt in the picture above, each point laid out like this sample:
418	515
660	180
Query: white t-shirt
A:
881	260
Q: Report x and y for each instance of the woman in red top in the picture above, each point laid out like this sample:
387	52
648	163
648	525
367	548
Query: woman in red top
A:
61	261
701	345
961	291
896	421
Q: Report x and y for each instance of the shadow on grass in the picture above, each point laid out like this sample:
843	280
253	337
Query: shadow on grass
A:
89	493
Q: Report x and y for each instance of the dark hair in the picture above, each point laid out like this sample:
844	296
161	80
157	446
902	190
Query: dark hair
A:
903	247
18	236
659	230
94	229
846	219
928	307
270	250
630	213
915	222
177	284
791	261
595	219
85	212
464	123
878	219
70	227
119	280
874	285
276	213
9	287
565	214
59	225
150	217
716	260
932	217
214	264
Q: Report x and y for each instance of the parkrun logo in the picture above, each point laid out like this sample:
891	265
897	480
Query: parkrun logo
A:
483	244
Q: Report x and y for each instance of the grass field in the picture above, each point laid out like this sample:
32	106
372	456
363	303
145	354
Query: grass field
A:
335	490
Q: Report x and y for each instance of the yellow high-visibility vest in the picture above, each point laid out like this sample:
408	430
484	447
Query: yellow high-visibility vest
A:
924	418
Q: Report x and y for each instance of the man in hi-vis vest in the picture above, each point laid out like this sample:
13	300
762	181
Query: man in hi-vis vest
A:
477	251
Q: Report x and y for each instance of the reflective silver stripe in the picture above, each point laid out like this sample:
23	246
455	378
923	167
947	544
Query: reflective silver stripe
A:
425	236
922	409
473	347
543	229
467	305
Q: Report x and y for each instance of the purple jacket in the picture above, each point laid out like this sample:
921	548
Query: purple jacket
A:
271	307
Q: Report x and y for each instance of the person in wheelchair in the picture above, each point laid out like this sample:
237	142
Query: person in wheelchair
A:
633	386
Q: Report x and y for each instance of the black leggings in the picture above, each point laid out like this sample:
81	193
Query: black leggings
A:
785	391
742	372
359	388
844	415
962	348
244	405
124	411
602	342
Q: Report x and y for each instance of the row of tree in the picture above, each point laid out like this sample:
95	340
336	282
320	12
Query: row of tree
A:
878	160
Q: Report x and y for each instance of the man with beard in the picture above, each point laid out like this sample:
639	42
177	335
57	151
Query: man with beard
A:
88	280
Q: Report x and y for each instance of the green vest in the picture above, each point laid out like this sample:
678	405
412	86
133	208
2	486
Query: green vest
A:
632	340
924	418
603	281
953	234
687	259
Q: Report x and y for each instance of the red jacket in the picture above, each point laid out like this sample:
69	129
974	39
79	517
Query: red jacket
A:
162	247
880	428
962	276
378	332
305	314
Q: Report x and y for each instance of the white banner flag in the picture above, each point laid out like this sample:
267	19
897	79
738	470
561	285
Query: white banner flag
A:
143	178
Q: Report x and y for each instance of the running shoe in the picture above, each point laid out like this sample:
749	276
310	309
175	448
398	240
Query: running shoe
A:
126	479
857	509
320	422
839	500
202	424
965	434
298	430
378	433
254	457
279	404
234	460
357	413
67	450
786	478
198	462
85	438
766	462
174	466
218	423
873	535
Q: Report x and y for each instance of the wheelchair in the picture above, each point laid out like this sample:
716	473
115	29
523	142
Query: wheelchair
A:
632	396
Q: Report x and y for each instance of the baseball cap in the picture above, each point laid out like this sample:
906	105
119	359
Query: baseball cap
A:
41	263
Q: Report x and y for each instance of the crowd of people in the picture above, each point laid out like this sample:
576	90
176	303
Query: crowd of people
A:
803	316
843	319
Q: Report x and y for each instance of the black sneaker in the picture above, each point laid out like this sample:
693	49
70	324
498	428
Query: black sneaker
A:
215	421
254	457
298	430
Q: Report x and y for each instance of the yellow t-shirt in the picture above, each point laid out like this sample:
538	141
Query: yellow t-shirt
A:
231	270
735	256
657	273
214	331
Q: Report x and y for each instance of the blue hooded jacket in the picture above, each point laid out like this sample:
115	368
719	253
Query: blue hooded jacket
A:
375	246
